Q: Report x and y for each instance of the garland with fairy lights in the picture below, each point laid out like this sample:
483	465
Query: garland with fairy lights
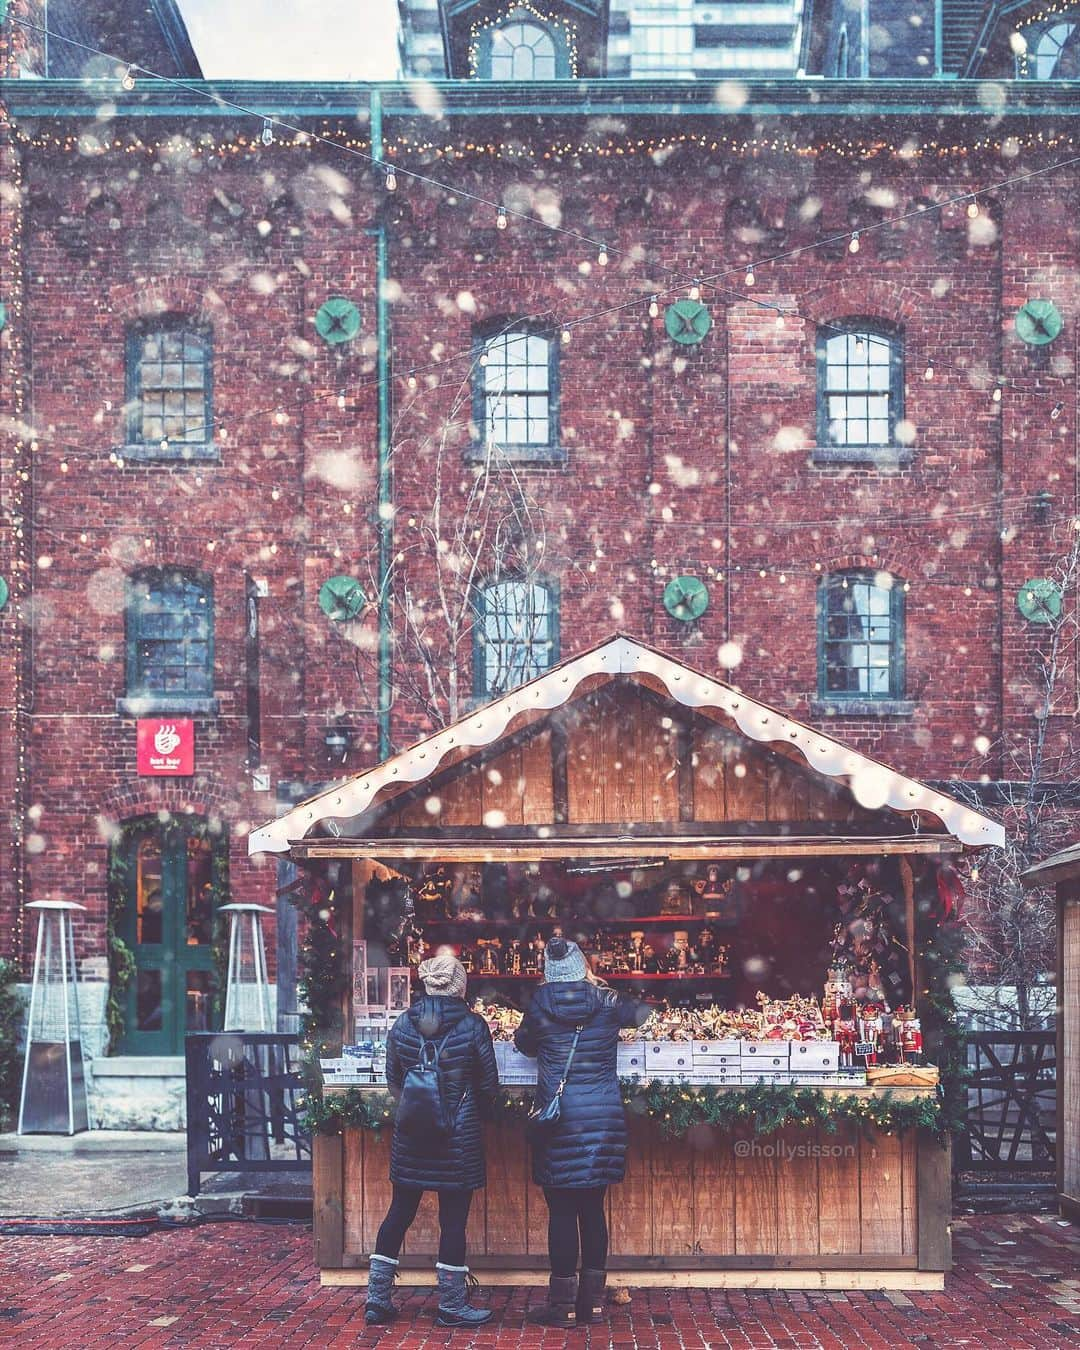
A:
1035	25
674	1109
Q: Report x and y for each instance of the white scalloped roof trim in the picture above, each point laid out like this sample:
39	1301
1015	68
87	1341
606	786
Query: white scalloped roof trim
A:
873	784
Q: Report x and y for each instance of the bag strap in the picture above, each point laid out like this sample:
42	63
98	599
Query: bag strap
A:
435	1047
569	1060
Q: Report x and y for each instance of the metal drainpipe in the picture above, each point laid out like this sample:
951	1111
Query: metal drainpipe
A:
384	507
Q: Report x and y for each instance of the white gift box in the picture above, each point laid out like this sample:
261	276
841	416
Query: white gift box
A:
765	1055
514	1067
717	1077
815	1056
717	1054
668	1057
630	1059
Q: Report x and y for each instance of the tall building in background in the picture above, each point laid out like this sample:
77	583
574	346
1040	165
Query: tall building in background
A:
635	39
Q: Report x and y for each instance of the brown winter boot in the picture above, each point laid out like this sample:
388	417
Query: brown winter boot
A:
590	1299
561	1308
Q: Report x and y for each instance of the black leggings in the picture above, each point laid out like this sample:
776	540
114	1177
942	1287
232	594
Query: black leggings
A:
571	1211
453	1216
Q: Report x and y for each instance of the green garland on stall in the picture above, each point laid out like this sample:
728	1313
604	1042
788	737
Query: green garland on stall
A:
674	1108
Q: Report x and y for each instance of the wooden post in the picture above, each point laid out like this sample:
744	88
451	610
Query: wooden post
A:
327	1191
935	1203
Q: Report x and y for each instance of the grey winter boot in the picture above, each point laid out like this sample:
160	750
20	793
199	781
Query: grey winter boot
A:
455	1310
382	1272
590	1299
561	1308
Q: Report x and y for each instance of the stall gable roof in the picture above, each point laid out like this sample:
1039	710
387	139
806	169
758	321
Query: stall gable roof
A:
873	784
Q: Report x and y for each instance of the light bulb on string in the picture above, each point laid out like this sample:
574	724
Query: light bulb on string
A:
654	308
501	220
695	291
128	79
860	344
780	320
391	178
411	381
853	242
482	359
281	417
928	373
566	337
973	208
996	394
341	399
267	132
164	444
602	256
750	275
1057	410
223	432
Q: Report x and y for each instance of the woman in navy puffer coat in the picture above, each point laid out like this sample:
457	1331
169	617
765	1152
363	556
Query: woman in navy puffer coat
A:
454	1168
586	1151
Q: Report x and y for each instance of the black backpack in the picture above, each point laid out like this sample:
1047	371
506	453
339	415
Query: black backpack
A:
422	1111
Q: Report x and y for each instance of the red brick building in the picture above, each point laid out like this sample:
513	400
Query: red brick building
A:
843	436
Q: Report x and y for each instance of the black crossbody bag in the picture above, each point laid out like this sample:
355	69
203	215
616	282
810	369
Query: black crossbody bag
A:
543	1119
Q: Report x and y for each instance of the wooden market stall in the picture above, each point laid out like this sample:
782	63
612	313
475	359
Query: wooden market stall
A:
1062	871
623	763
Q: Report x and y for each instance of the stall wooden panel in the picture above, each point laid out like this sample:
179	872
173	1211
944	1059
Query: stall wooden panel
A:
538	803
798	1224
359	1230
507	1175
1068	1135
630	1218
714	1193
755	1196
881	1192
671	1182
839	1207
502	789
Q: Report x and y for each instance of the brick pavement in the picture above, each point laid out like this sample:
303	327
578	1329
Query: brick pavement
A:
1017	1283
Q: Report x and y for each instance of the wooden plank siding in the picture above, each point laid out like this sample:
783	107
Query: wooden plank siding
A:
802	1198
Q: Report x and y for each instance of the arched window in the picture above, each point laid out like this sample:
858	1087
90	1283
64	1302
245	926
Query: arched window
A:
522	51
515	635
170	637
841	71
860	636
169	410
514	403
860	383
1052	51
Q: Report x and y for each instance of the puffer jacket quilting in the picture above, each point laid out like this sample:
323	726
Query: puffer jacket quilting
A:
588	1146
469	1076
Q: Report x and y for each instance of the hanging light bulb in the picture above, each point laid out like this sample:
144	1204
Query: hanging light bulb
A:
695	291
602	256
128	79
654	308
223	432
928	373
483	358
501	221
996	395
391	178
411	381
780	321
973	208
164	444
281	417
341	400
64	466
860	344
1057	410
750	275
267	132
565	336
853	243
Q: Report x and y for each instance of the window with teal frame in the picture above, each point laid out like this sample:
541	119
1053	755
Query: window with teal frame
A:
521	49
1051	49
515	634
169	396
860	636
170	637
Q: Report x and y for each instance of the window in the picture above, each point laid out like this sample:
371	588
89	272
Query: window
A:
841	71
514	403
515	635
1053	52
522	51
861	636
860	384
170	638
169	410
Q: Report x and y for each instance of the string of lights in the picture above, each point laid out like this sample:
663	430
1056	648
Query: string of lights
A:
604	249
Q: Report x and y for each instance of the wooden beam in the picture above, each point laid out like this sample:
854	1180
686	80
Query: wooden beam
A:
840	1278
674	849
896	1094
935	1203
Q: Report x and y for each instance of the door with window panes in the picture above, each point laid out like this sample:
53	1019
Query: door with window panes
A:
171	871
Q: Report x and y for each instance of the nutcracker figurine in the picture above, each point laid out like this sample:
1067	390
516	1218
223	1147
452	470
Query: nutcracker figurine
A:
871	1030
907	1029
846	1033
637	951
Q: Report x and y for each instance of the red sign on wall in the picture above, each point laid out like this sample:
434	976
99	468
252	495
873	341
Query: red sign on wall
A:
165	746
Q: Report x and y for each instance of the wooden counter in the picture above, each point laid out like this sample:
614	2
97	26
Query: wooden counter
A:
798	1209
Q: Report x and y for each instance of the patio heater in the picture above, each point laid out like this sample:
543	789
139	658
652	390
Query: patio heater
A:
53	1098
247	987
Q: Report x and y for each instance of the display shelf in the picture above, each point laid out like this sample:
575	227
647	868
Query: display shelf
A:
516	925
618	975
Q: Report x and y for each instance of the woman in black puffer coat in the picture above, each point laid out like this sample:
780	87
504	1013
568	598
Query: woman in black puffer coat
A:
468	1079
586	1152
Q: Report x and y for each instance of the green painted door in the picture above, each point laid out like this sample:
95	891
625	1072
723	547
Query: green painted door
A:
172	872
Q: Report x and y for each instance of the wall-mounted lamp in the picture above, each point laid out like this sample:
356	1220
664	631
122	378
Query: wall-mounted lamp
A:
1041	503
337	741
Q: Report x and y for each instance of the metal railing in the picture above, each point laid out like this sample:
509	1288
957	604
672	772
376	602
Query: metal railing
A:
1011	1103
244	1094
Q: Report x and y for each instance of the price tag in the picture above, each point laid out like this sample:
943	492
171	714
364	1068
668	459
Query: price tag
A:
865	1048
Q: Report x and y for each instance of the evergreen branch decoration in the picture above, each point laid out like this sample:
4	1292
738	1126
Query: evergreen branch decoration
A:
675	1109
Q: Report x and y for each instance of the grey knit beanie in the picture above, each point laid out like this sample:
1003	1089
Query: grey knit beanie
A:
443	974
563	961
